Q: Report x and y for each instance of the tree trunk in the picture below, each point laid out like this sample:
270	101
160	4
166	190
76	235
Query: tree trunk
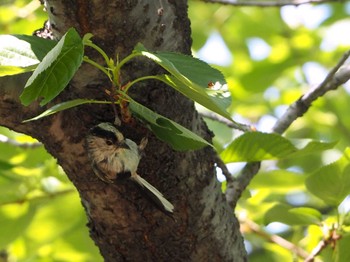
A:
124	224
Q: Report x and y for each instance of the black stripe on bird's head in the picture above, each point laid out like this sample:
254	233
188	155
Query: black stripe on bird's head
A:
108	132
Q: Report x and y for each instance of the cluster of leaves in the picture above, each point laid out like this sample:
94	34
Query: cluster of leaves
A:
61	60
56	63
268	199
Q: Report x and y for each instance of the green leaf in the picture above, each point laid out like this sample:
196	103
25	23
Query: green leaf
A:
341	252
292	216
307	146
10	188
280	180
21	53
192	77
39	46
257	146
331	183
58	230
14	219
65	105
55	71
263	75
179	137
195	70
15	70
215	100
5	165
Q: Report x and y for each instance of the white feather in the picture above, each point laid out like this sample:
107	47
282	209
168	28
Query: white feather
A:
142	182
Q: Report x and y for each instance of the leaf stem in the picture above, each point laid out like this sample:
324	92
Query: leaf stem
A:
127	86
98	49
117	68
93	63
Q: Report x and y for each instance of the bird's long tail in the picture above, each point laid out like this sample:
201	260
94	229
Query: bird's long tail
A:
153	193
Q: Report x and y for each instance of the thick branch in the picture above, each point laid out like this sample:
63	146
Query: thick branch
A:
277	3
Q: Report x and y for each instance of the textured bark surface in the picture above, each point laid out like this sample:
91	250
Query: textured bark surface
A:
123	223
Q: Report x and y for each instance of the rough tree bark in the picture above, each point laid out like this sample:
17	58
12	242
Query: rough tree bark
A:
125	225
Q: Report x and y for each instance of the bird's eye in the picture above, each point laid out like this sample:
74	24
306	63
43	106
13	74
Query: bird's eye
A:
109	142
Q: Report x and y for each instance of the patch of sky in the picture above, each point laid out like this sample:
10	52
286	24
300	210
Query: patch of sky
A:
276	228
297	198
347	87
248	246
344	207
336	35
296	169
347	7
219	175
258	48
272	93
280	110
314	73
266	123
312	16
235	168
305	15
215	51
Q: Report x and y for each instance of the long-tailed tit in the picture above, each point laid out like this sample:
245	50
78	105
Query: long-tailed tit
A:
112	156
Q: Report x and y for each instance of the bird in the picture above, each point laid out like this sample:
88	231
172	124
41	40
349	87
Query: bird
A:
114	157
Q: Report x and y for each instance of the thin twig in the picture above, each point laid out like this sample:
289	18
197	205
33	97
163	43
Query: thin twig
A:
37	198
331	240
317	250
274	238
224	169
215	117
332	81
277	3
7	140
337	76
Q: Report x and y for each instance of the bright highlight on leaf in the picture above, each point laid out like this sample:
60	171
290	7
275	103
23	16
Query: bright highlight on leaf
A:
331	183
257	146
21	53
55	71
193	78
278	180
292	216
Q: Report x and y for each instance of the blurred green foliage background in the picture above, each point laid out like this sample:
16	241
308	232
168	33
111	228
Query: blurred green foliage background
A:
41	216
270	57
269	62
